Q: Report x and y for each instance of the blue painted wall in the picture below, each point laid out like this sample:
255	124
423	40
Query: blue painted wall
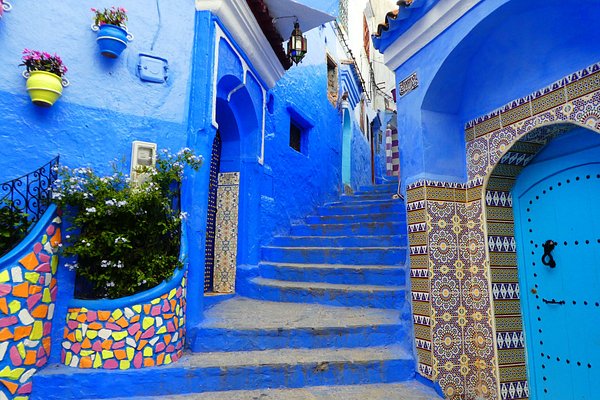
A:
499	51
361	158
106	106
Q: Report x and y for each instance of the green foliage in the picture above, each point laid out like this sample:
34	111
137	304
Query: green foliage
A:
125	235
13	226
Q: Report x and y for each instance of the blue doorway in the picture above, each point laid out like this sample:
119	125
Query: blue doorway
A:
557	231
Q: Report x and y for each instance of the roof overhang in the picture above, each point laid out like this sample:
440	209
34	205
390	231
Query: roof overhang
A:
431	25
286	12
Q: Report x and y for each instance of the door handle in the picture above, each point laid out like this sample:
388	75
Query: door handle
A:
547	258
553	301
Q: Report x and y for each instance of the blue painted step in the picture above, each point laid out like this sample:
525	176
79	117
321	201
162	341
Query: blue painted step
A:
222	371
326	293
242	324
340	241
383	188
366	196
376	207
334	273
358	228
346	219
336	255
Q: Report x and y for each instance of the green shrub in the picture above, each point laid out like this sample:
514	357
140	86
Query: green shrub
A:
13	226
125	236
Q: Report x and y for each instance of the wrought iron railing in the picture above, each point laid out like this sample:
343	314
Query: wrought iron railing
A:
30	194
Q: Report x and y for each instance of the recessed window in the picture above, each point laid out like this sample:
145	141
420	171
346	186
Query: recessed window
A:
296	137
332	80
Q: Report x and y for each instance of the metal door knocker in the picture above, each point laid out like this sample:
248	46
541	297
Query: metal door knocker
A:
547	258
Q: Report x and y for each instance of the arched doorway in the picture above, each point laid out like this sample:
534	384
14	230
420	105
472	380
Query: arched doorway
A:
235	139
557	233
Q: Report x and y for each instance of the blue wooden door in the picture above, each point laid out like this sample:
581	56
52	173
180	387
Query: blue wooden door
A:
559	201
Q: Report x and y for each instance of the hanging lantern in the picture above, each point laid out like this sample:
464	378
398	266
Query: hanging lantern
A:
297	45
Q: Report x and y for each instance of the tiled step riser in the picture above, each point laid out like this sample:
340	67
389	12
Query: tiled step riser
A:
170	381
364	228
366	208
340	241
340	255
393	299
349	219
348	276
211	340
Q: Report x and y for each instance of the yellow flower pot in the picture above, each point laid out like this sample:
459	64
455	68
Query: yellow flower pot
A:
44	88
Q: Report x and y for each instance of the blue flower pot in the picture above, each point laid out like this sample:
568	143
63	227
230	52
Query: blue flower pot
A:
112	40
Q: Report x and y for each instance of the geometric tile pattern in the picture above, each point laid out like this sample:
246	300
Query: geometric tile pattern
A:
146	334
226	232
211	214
27	295
469	334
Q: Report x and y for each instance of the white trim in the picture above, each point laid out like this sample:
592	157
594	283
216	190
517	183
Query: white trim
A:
240	22
432	24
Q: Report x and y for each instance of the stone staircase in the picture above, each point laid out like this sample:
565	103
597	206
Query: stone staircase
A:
324	316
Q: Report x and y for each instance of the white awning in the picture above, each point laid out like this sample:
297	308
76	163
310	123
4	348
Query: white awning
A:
285	13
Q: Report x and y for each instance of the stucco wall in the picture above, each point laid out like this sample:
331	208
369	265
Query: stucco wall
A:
106	106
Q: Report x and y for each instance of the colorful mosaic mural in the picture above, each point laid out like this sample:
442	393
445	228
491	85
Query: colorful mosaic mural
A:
465	291
140	335
27	295
226	232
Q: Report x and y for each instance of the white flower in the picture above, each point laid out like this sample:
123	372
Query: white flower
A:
121	239
90	210
110	284
183	215
111	202
121	203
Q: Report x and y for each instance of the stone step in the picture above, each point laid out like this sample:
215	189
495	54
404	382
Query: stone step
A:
381	188
380	275
410	390
366	196
340	241
359	202
335	255
242	324
358	228
355	208
373	296
219	371
347	219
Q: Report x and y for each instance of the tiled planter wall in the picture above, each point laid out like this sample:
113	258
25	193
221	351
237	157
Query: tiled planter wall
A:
144	330
465	291
27	297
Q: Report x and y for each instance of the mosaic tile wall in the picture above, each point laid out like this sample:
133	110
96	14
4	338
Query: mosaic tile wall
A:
469	334
226	232
136	336
27	295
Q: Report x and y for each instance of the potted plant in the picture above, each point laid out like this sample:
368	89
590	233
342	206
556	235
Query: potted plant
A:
125	235
45	76
112	31
4	6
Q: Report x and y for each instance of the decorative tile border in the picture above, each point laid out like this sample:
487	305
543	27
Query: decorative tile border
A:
226	232
27	297
485	323
143	334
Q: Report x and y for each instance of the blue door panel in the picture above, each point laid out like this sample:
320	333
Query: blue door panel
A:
559	200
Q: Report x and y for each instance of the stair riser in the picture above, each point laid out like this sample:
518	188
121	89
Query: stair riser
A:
385	188
340	241
170	381
380	277
349	219
211	340
345	298
356	209
355	256
365	228
363	197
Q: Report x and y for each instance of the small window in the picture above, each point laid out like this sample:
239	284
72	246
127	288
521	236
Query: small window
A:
332	80
296	137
